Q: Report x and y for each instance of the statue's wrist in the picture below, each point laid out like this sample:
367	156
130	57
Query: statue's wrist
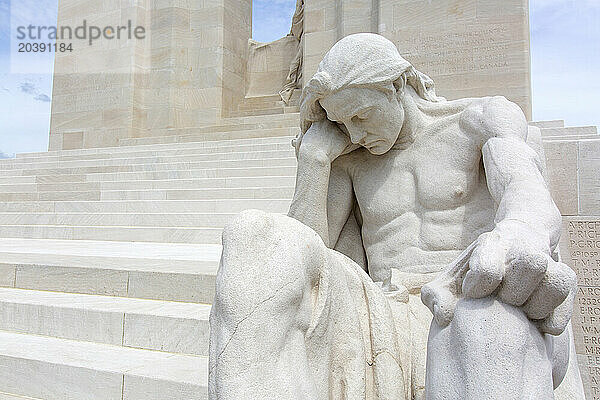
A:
516	231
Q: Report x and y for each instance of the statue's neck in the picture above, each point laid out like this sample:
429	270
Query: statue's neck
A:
415	120
420	115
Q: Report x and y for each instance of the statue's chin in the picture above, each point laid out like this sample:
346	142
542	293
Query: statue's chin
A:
379	149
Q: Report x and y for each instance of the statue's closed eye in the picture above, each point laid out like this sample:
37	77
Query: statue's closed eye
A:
364	114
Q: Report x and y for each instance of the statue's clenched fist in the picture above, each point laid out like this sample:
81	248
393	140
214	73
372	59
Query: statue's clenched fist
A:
514	271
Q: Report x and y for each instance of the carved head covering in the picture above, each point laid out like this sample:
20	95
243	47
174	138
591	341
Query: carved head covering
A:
360	60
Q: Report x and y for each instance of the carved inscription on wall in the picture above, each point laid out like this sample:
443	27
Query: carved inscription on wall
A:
471	48
478	49
583	242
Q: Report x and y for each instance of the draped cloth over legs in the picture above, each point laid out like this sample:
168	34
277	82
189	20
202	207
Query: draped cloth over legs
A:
354	334
317	328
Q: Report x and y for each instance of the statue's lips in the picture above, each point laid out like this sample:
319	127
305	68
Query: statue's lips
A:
373	143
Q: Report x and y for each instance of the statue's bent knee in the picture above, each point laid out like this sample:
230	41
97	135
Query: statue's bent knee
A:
262	307
263	254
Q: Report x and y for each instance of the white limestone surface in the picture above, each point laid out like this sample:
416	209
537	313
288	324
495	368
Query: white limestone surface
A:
151	271
45	368
171	251
148	324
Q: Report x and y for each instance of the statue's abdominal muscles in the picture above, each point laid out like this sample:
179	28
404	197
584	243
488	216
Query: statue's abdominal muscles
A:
419	208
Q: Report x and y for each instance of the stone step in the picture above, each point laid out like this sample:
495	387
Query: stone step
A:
242	148
161	234
232	124
568	131
261	118
6	197
149	206
159	271
257	104
141	278
154	194
145	324
237	126
215	157
201	183
150	167
17	180
266	141
187	194
246	108
548	124
157	175
186	220
286	120
261	102
266	111
6	396
570	138
52	368
184	135
192	134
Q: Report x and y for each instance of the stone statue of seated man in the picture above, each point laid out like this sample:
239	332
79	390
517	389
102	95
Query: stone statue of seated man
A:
400	195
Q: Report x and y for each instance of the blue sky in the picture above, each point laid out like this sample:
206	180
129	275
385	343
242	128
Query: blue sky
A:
565	52
24	97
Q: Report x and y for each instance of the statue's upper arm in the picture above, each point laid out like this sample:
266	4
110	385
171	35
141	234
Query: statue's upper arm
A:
503	130
495	117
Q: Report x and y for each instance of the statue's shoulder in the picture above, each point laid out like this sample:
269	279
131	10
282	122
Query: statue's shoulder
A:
490	117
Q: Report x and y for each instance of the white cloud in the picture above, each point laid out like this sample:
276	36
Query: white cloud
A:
28	87
42	97
35	12
537	5
32	89
25	120
4	26
23	13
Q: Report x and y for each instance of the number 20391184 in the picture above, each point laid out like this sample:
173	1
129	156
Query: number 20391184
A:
45	47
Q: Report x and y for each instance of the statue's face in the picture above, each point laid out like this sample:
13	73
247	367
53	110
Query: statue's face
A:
370	117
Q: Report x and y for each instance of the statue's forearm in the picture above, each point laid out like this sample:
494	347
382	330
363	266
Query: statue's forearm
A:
525	207
309	205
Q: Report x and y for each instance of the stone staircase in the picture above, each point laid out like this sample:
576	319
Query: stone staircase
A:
556	130
267	105
108	257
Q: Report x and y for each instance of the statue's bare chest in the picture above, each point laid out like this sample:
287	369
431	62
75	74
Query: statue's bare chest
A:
435	173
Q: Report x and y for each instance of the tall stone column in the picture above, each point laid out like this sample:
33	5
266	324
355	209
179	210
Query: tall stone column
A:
327	21
94	97
188	71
